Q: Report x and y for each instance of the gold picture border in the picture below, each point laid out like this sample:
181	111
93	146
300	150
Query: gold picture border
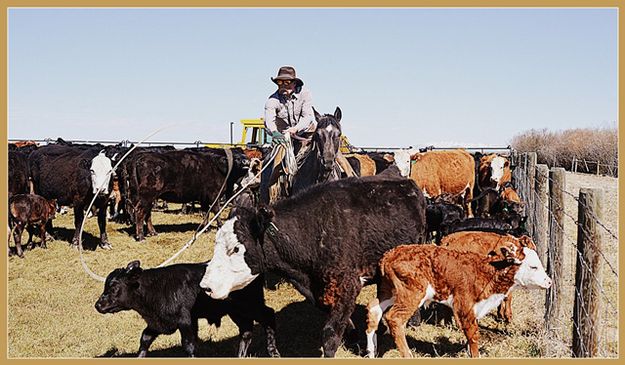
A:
288	4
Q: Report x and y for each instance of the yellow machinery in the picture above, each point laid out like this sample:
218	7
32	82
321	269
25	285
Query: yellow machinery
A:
255	130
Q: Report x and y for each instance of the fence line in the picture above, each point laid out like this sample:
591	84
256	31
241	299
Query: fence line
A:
612	169
126	143
603	331
525	191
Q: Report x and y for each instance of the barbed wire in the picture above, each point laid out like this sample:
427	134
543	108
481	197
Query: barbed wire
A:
585	232
576	198
525	190
574	245
536	196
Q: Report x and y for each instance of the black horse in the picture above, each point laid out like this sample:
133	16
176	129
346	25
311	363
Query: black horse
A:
318	165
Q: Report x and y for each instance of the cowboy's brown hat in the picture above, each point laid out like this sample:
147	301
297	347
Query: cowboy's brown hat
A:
287	73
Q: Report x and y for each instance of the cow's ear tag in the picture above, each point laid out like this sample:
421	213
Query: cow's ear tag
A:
272	229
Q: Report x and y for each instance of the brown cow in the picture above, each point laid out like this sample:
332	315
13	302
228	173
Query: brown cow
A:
438	172
115	199
251	153
470	283
510	195
485	243
29	209
494	171
366	164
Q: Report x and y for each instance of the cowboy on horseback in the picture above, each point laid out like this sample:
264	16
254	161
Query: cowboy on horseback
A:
289	118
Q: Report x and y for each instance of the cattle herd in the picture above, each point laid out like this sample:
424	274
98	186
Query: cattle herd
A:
442	227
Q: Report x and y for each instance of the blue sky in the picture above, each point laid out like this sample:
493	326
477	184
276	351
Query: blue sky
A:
400	76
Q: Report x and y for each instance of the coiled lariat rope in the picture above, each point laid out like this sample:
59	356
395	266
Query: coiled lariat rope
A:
197	233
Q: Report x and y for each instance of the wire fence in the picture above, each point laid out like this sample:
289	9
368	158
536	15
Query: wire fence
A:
593	167
580	248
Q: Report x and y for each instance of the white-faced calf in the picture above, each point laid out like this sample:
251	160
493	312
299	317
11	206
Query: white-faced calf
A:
33	210
483	243
471	284
170	299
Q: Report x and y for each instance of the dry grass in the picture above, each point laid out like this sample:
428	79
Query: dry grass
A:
51	306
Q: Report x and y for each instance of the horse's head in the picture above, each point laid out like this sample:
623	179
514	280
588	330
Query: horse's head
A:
328	137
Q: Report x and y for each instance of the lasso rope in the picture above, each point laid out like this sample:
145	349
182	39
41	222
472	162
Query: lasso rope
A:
95	196
289	163
196	234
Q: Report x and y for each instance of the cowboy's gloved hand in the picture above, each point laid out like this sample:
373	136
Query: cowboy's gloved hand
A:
291	130
277	138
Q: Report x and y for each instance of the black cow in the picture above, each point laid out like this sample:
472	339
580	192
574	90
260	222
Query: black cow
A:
327	240
71	175
179	176
443	210
123	212
18	173
170	299
484	224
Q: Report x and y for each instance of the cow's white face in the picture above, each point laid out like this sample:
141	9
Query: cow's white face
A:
402	160
227	271
497	167
100	176
531	273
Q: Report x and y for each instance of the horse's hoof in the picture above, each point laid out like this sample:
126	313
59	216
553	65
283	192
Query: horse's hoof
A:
106	246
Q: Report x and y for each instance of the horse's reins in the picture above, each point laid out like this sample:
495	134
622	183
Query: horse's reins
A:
196	234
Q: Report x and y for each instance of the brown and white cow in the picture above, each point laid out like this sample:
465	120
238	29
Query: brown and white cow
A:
470	283
29	209
438	172
484	243
494	171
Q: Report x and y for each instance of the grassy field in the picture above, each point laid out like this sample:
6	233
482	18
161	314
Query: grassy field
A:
51	305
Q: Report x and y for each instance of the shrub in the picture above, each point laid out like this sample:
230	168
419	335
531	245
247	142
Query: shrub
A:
559	148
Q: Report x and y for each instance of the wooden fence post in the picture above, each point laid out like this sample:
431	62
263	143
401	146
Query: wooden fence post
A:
555	254
587	274
530	199
541	209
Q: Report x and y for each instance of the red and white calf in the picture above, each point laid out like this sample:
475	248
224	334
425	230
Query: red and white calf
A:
470	283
